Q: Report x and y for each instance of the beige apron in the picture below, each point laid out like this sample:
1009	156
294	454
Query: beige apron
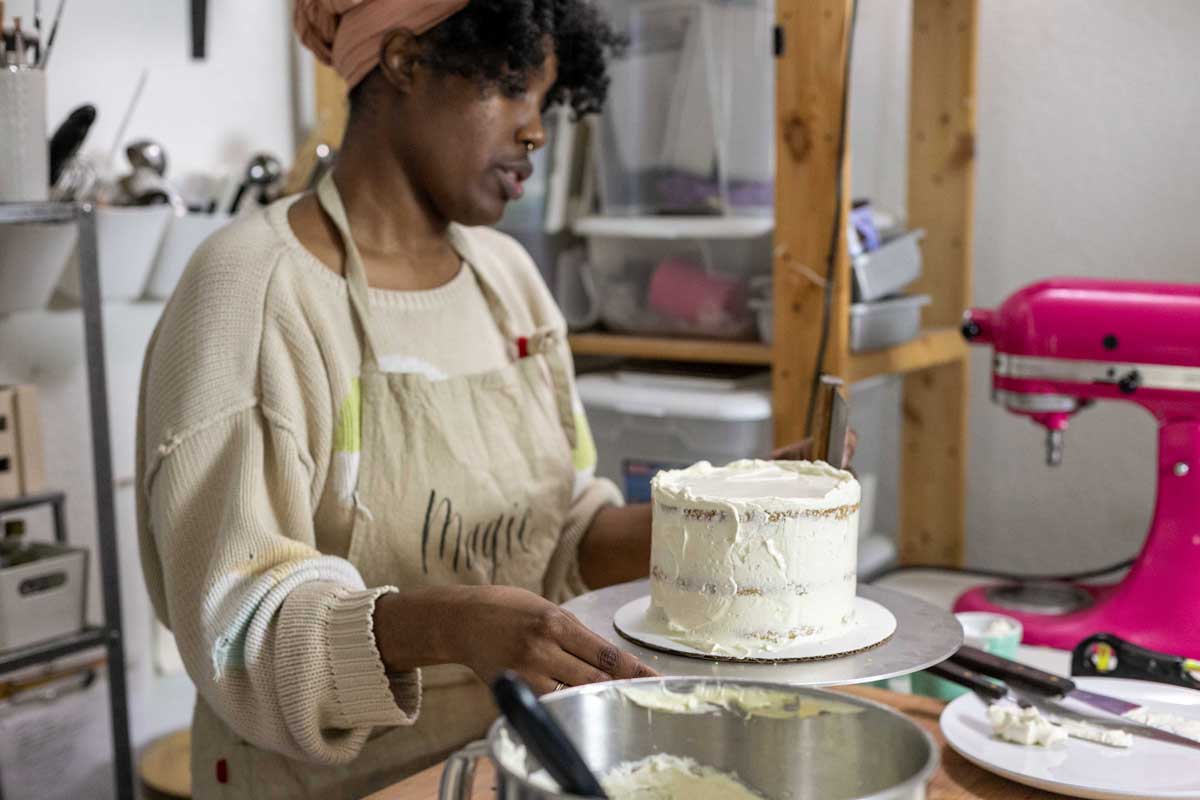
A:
461	481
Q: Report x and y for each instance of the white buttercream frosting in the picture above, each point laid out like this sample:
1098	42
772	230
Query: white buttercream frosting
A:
755	555
1111	737
658	777
748	701
1024	726
668	777
1172	723
1029	726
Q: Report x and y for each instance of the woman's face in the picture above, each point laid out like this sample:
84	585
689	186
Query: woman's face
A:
466	148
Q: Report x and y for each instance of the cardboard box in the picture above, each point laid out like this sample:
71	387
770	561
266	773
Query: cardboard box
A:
22	462
10	475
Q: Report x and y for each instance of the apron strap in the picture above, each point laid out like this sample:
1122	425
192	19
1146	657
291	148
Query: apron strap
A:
548	343
356	273
490	295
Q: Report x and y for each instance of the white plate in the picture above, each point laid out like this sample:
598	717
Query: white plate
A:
872	625
1148	769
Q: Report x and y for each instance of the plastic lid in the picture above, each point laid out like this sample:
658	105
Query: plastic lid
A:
675	227
891	304
606	391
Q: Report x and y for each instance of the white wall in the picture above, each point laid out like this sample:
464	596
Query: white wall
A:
1086	165
209	115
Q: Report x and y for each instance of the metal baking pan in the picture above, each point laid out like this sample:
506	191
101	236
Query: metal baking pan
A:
885	271
843	748
885	323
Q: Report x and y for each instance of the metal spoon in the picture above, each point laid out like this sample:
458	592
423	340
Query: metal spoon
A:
147	154
325	158
264	172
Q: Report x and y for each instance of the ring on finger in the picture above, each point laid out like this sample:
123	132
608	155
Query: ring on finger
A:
559	687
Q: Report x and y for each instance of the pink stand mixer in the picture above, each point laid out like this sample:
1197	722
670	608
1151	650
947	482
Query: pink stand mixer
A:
1060	346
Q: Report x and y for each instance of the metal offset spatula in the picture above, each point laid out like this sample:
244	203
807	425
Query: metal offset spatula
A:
831	422
1039	687
544	738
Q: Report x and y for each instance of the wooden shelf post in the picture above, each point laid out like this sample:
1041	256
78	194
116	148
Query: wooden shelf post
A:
810	87
941	151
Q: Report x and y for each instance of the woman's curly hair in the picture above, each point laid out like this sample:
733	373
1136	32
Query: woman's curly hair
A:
500	43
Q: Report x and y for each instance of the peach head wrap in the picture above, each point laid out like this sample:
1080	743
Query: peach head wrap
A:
348	34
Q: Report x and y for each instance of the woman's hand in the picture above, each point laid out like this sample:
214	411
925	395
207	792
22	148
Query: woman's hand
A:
802	450
509	628
494	628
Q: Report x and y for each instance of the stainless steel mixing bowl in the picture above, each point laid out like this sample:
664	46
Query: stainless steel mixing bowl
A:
876	753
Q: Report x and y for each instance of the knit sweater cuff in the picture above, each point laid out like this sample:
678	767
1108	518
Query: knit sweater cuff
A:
366	694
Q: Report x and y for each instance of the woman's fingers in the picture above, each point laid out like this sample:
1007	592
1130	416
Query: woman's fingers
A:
851	446
574	671
540	683
797	451
576	639
802	450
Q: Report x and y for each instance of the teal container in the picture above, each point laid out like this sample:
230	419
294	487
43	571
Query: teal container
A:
995	633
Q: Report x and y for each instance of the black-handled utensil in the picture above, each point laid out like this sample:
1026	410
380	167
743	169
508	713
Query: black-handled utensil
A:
1039	688
68	138
199	29
1107	656
969	679
1005	669
1035	680
543	736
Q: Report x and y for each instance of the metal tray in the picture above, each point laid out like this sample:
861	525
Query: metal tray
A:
885	271
925	635
885	323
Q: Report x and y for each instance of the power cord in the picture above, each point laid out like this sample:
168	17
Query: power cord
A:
838	225
1008	576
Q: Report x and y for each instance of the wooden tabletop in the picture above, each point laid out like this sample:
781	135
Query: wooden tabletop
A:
955	779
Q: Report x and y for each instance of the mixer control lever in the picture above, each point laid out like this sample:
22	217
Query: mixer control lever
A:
1129	382
1054	448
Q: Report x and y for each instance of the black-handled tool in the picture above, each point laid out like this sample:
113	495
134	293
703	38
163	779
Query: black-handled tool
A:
1006	669
199	29
544	738
68	138
1031	679
970	679
1025	681
1108	656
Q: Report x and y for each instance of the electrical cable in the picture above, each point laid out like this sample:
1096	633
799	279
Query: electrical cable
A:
1008	576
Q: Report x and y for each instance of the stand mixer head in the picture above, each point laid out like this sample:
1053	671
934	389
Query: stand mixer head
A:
1060	346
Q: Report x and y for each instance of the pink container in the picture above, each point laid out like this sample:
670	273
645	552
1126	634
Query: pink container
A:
683	291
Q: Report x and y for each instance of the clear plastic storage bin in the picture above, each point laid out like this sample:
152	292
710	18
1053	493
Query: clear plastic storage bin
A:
675	277
643	424
689	126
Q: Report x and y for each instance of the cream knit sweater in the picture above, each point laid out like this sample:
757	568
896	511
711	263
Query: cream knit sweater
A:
247	464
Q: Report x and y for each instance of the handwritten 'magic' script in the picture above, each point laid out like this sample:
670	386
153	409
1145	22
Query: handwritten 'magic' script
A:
486	545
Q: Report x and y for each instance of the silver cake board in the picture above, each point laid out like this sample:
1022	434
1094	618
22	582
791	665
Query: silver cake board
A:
871	625
924	635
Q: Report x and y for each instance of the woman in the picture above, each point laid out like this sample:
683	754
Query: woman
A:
364	478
